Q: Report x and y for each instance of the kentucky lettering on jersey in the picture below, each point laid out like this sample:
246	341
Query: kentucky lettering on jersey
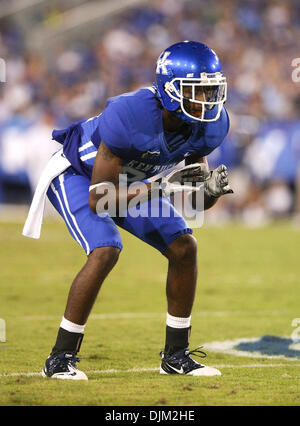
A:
131	126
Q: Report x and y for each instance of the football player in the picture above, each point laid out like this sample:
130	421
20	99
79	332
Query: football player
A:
140	134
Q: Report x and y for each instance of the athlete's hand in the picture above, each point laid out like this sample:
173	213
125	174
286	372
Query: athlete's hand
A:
193	173
217	184
184	179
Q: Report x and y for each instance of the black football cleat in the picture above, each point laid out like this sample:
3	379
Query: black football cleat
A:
181	363
63	366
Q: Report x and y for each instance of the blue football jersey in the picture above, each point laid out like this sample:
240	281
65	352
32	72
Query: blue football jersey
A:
131	126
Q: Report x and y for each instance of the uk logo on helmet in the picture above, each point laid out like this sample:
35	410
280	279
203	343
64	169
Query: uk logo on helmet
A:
163	62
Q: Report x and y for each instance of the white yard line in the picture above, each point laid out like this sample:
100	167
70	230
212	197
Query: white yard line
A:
145	315
142	370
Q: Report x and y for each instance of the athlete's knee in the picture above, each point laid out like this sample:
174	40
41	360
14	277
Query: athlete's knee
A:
183	249
106	257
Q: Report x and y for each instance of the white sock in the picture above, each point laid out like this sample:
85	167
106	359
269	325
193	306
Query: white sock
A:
71	326
177	322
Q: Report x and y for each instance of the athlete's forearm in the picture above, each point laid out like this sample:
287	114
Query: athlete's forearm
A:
114	199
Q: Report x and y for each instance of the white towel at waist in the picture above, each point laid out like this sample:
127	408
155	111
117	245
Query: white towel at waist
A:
55	166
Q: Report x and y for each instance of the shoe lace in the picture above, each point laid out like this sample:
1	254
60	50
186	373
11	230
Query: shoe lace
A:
69	360
73	360
187	352
196	352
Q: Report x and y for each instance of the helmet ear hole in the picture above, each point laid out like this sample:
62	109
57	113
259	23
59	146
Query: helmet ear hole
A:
169	87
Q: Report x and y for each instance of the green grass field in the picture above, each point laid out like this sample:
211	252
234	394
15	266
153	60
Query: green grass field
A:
248	287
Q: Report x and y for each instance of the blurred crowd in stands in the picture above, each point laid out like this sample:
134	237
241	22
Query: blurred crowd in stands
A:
256	41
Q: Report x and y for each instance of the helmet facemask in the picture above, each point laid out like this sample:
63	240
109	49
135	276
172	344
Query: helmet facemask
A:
196	96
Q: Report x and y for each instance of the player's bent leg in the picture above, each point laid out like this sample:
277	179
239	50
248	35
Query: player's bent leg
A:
180	290
182	275
173	238
102	243
87	283
61	364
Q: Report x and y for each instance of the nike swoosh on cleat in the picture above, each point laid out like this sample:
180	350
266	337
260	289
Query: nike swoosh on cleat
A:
181	371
